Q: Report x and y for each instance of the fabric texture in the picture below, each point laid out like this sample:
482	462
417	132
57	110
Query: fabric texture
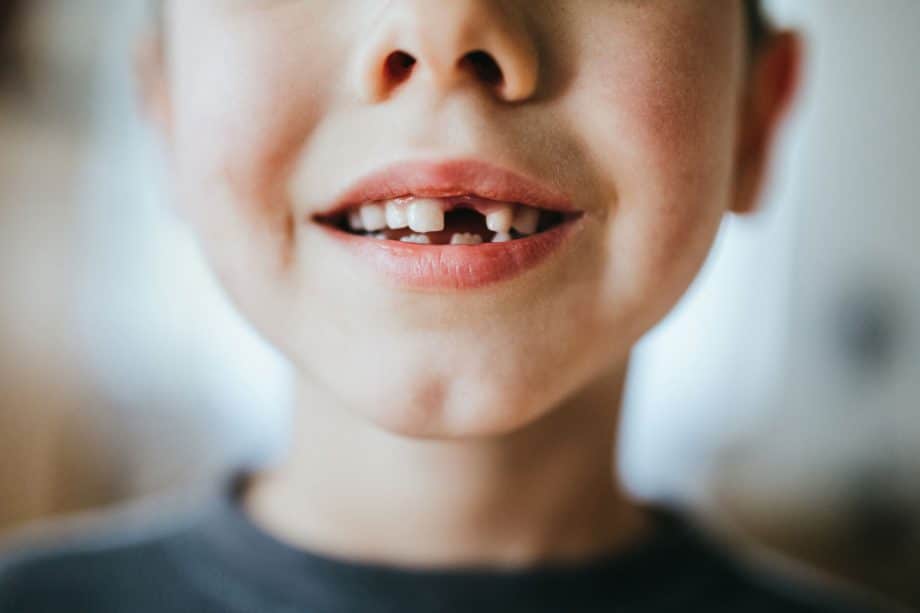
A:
216	560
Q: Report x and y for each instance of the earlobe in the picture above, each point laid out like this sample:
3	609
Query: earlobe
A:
773	84
152	83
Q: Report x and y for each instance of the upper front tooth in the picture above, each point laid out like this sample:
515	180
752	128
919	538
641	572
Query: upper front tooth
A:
500	218
397	215
426	215
526	219
373	217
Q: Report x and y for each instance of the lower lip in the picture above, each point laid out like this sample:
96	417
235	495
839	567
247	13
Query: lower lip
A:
454	267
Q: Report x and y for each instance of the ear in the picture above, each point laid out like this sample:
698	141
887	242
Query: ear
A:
772	84
152	80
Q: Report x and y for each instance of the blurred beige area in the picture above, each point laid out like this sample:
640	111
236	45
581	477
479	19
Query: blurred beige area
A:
52	459
123	373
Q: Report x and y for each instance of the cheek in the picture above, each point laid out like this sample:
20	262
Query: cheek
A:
244	102
660	124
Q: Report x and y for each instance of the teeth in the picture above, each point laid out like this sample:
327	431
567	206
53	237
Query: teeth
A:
465	238
426	216
419	239
526	220
397	216
354	220
373	217
500	219
381	236
501	237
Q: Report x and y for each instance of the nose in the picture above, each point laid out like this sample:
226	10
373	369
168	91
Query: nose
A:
447	43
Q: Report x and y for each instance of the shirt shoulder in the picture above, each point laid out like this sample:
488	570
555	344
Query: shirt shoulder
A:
748	583
762	593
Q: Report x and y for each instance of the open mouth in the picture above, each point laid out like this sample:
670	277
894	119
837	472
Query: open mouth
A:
450	224
456	220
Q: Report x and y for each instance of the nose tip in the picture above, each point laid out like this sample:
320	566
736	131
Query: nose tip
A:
448	44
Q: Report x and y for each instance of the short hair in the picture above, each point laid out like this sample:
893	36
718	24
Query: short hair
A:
758	27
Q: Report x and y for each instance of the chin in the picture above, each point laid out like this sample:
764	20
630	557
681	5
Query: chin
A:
438	406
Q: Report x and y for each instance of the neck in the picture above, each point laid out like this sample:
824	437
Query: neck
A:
547	492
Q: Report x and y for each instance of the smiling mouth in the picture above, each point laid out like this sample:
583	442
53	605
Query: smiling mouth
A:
457	220
447	225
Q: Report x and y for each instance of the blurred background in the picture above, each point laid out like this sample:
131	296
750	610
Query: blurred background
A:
779	401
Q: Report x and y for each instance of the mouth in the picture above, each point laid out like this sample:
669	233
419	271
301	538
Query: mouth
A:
463	220
450	225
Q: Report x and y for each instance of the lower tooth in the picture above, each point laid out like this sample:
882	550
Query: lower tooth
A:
465	239
419	239
381	236
501	237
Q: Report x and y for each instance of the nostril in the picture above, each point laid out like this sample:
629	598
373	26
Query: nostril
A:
484	67
399	66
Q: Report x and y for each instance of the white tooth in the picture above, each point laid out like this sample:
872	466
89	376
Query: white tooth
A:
526	220
465	239
419	239
354	220
501	237
373	217
397	215
426	215
381	236
500	219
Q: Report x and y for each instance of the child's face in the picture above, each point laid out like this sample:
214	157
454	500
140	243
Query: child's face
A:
275	107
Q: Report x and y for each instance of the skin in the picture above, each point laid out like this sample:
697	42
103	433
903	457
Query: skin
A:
479	426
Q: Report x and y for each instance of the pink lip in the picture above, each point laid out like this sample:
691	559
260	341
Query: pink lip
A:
463	177
452	267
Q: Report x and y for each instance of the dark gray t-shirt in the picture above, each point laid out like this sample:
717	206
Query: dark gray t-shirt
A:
217	560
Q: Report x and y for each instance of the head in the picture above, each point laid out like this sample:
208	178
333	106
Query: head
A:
654	118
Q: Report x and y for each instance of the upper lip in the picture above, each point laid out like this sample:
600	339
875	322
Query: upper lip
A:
450	178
